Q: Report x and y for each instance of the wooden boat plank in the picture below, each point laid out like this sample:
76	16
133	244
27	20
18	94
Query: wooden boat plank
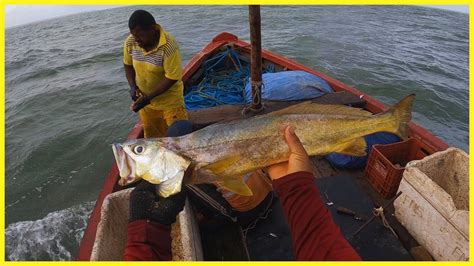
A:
231	112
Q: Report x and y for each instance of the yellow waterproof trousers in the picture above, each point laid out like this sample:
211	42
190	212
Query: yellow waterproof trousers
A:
156	122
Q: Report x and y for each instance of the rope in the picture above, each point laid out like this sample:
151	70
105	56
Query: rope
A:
379	212
224	80
256	87
263	215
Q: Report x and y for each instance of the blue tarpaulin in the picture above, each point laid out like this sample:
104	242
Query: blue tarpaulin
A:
226	81
343	161
290	86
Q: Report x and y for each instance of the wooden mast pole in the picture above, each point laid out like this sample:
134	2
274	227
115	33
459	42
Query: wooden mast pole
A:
256	58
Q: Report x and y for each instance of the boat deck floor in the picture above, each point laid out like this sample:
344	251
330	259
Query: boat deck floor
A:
270	239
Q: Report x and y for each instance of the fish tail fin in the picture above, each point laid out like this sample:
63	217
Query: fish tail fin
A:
402	112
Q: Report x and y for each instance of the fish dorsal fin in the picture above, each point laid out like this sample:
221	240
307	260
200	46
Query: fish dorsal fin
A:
309	107
236	185
354	147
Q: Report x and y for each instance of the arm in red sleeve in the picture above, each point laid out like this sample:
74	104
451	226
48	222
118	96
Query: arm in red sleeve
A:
315	235
148	241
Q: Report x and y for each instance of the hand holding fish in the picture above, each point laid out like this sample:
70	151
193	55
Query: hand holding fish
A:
298	160
146	205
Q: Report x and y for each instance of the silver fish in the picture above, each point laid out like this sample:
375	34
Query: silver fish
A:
222	153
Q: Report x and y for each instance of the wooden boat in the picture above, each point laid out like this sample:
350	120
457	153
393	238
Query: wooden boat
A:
344	94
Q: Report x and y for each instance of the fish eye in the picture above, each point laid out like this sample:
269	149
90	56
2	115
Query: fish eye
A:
138	149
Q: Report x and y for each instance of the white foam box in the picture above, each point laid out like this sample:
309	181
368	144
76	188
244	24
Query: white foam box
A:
434	204
111	234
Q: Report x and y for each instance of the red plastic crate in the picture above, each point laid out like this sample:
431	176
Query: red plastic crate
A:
386	164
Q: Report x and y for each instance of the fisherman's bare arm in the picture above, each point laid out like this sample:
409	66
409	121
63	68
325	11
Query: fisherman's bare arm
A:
163	86
144	100
130	75
314	233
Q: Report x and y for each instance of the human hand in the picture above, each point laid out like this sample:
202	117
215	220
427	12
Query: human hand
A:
141	102
298	160
145	204
135	92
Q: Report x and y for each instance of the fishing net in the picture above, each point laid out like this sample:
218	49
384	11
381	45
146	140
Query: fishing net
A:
224	81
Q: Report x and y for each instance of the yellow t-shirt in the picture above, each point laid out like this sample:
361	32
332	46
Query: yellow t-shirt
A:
151	67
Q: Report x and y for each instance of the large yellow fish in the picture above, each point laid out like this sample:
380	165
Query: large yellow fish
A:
221	153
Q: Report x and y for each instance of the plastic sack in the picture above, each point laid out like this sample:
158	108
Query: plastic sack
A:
342	161
290	86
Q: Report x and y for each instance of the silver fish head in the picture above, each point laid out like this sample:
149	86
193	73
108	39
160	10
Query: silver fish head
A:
149	159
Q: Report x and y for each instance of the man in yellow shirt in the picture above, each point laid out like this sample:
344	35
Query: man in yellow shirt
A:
153	69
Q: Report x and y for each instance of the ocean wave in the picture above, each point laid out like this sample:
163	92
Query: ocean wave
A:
51	67
54	237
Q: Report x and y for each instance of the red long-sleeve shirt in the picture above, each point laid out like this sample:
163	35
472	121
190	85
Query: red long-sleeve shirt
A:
147	240
314	233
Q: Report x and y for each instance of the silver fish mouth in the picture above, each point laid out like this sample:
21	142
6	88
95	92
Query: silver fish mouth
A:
124	164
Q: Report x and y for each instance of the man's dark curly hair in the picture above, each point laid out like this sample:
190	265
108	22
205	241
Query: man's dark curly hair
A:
141	18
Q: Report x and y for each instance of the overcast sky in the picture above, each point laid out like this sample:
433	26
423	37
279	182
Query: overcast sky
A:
22	14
